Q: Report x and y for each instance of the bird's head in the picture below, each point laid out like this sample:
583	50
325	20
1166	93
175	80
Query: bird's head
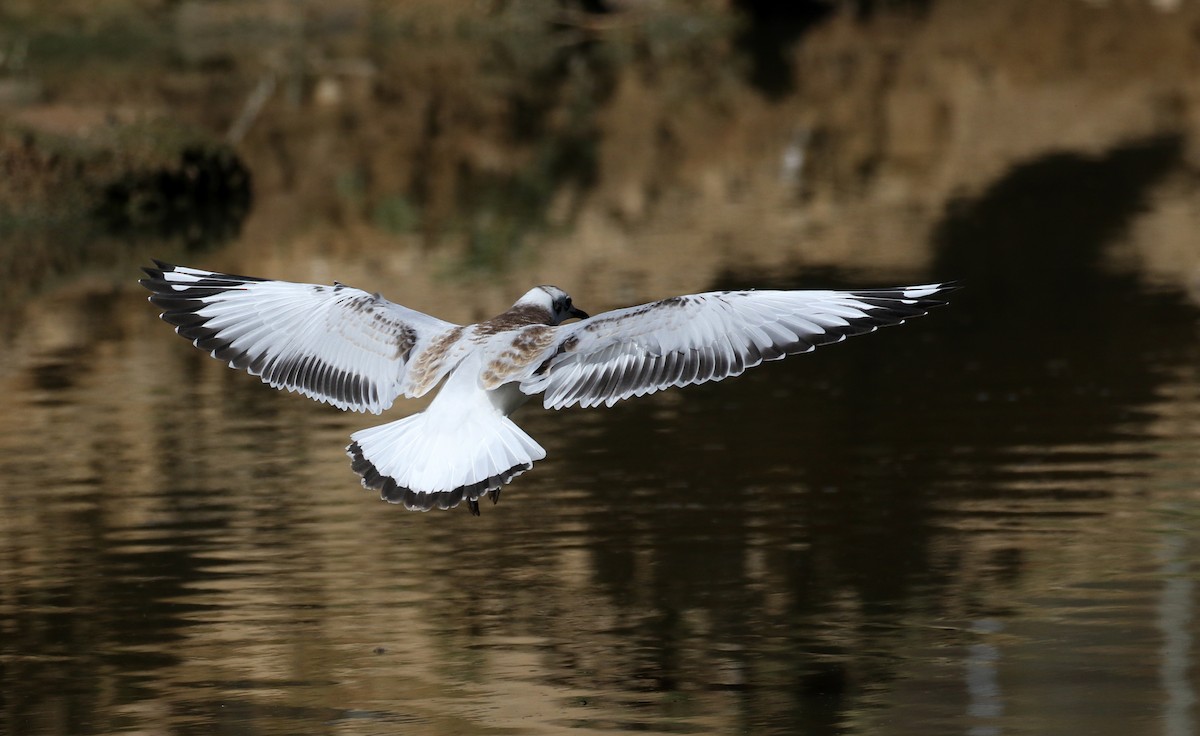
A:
554	300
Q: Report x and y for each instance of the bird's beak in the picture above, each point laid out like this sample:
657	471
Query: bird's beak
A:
577	313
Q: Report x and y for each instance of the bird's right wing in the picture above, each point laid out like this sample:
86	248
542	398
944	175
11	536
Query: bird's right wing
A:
335	344
707	337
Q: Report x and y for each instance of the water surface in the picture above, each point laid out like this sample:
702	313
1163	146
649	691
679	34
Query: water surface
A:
981	522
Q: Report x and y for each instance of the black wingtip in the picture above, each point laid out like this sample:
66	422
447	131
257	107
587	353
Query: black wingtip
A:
203	278
157	280
940	298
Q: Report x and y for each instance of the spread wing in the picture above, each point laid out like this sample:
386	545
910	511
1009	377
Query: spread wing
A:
334	343
707	337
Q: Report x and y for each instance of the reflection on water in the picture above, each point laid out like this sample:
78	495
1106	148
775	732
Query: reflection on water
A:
1176	624
976	523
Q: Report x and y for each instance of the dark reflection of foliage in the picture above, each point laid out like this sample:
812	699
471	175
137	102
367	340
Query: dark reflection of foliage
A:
1039	331
1042	228
1070	335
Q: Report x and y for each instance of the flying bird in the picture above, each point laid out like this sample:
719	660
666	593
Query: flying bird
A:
359	352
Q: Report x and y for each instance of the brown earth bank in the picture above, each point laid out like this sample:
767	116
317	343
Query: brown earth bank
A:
400	140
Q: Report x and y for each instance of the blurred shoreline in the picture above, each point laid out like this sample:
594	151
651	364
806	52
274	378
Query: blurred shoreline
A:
472	141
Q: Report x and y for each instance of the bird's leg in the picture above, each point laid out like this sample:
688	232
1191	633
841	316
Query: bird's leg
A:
473	505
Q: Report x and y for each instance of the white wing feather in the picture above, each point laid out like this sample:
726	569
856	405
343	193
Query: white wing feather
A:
706	337
334	343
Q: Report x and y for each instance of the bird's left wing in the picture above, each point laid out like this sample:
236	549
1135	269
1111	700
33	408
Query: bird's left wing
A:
707	337
334	343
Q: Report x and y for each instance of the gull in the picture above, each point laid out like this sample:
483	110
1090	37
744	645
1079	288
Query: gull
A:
359	352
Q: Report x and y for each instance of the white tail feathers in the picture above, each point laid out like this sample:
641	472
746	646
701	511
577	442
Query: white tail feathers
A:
432	460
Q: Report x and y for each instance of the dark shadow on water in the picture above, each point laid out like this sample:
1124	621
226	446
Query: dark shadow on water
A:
1041	317
1035	238
1042	349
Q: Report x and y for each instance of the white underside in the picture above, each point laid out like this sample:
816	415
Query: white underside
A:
465	437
